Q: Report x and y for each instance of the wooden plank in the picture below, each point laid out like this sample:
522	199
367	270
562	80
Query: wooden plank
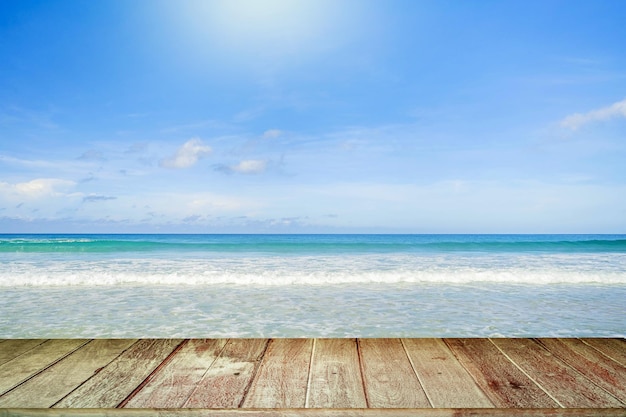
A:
23	367
109	387
564	384
603	371
312	412
504	384
11	349
225	383
335	380
174	383
613	348
584	360
281	381
48	387
439	370
389	378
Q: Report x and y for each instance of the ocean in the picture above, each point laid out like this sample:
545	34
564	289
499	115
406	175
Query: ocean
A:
93	286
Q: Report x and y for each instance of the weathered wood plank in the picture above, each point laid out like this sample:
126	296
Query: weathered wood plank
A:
439	371
563	383
504	384
49	386
335	380
365	374
11	349
388	377
109	387
613	348
174	383
594	365
312	412
225	383
23	367
281	380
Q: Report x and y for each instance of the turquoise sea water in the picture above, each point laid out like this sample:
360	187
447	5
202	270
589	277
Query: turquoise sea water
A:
312	285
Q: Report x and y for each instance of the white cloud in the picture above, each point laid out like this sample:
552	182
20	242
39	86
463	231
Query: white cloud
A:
187	155
248	167
38	198
251	166
272	134
37	188
575	121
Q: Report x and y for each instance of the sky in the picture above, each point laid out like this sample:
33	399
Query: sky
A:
312	116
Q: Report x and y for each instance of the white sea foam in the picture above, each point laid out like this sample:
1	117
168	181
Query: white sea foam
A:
316	270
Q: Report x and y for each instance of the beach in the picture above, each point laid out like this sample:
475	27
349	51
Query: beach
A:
103	286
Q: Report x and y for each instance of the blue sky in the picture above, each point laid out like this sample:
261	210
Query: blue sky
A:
313	116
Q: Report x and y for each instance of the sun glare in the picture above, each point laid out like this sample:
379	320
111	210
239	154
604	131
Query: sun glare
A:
240	29
281	25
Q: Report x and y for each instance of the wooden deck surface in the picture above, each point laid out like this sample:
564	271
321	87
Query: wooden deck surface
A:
311	377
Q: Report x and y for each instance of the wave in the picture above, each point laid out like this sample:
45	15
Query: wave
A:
605	269
308	279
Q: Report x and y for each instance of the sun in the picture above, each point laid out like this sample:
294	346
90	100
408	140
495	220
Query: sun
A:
267	19
260	37
281	25
262	27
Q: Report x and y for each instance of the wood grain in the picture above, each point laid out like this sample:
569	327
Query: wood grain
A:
595	366
389	378
25	366
10	349
281	381
173	384
338	377
109	387
335	380
504	384
613	348
49	386
226	382
564	384
438	370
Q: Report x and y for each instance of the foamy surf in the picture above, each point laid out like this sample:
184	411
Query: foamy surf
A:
318	270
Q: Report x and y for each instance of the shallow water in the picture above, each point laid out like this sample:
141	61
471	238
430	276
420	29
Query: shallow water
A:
371	310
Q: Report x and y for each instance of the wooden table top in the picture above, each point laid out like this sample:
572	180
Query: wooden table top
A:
279	377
